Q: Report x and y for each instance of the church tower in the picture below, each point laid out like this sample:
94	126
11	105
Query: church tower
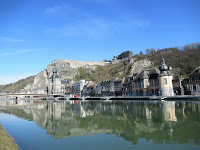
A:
165	80
54	82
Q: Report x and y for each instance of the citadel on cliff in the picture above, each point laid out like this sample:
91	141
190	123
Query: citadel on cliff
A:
57	80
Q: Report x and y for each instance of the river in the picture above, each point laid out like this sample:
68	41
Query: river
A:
107	125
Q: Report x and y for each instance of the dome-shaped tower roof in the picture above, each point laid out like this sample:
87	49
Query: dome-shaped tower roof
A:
55	69
164	69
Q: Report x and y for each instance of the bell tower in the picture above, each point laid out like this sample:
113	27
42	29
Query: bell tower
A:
165	80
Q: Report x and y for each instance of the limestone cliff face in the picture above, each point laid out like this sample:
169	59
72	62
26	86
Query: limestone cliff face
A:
68	69
138	66
134	66
40	81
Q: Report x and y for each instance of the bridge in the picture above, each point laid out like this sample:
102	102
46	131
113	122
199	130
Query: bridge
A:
62	97
24	95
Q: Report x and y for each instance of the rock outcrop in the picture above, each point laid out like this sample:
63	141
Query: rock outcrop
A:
68	69
138	66
40	81
133	66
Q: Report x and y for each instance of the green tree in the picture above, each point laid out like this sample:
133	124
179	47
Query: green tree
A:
125	54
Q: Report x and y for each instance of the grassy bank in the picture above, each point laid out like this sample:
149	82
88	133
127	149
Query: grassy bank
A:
6	142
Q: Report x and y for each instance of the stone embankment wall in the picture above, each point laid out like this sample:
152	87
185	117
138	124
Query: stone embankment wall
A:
78	63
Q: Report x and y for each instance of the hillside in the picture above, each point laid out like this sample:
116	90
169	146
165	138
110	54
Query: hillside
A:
183	60
122	69
17	85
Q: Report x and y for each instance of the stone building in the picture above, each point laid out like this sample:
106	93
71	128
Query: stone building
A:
194	81
118	87
98	90
56	86
68	87
88	90
153	81
109	87
165	80
77	87
146	82
127	86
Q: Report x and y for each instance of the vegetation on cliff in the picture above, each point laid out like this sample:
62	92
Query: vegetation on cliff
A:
101	73
17	85
183	60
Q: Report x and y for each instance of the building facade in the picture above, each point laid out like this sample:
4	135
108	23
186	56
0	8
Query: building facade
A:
127	86
118	87
165	80
146	82
194	81
77	87
54	86
98	90
109	87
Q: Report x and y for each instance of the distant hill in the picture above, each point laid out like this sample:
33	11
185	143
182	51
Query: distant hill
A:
17	85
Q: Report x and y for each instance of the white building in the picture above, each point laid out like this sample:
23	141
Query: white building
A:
165	80
78	87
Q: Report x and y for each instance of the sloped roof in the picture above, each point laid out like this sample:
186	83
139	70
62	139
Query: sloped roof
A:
144	74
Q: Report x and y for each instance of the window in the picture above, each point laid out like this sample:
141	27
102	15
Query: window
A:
199	87
165	81
193	78
156	82
194	88
146	84
135	84
139	84
142	83
199	78
151	82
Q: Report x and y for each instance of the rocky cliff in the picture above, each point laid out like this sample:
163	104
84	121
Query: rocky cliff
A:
68	69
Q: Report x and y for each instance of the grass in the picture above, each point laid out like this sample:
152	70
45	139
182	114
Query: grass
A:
6	142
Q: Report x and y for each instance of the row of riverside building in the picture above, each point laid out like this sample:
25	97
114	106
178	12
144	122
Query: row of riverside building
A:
148	82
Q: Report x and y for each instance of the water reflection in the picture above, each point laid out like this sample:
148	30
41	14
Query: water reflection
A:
161	122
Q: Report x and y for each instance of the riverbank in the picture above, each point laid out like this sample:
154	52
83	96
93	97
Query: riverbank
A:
6	141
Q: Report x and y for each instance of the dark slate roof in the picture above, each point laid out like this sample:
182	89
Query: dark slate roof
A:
146	73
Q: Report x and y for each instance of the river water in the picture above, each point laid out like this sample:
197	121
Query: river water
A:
95	125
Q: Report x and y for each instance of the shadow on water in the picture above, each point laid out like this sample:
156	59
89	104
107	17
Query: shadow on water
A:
160	121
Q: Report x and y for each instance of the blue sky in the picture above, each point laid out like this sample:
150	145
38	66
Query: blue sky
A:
35	32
